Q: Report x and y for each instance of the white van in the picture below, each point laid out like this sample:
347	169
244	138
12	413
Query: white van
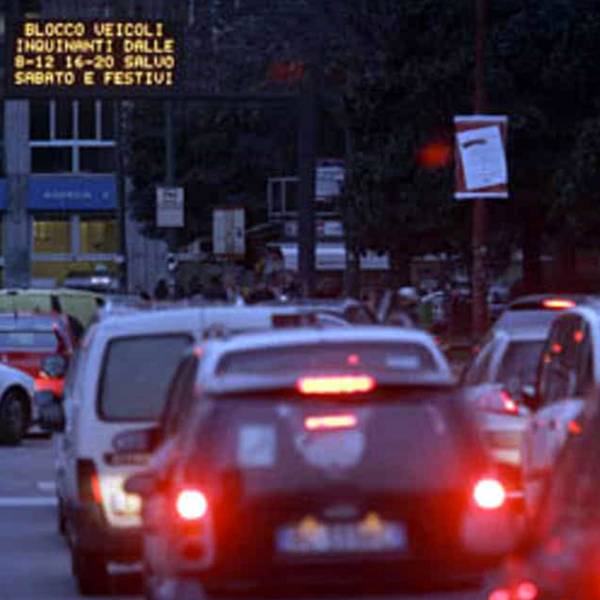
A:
117	381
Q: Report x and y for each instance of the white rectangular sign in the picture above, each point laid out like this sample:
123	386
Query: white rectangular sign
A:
329	178
481	164
169	207
229	231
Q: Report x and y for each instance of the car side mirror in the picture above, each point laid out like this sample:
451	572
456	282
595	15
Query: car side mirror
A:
138	441
529	397
142	484
51	412
54	366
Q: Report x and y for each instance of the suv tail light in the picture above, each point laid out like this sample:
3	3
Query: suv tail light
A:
191	505
489	494
88	483
336	384
330	422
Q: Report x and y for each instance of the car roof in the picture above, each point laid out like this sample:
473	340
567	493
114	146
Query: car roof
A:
198	319
215	350
151	322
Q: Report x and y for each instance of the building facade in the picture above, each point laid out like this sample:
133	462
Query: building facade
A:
63	210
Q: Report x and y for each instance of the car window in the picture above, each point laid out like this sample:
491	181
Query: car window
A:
180	395
359	315
379	357
136	374
558	375
478	371
45	340
410	437
519	364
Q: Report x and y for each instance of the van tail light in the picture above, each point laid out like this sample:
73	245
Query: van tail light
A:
336	384
489	494
330	422
498	401
191	505
88	483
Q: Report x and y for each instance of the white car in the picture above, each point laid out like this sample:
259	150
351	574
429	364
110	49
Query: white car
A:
17	410
569	370
119	380
493	382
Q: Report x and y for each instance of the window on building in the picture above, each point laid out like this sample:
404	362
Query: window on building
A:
51	236
72	136
98	235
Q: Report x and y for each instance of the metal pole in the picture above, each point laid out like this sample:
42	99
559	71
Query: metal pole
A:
170	180
307	126
121	193
478	239
352	272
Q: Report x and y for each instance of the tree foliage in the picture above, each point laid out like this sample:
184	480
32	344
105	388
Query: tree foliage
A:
393	74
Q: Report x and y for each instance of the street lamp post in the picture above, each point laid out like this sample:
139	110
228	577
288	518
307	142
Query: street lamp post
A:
478	234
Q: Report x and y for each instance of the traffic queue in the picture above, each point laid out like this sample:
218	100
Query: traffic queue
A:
223	447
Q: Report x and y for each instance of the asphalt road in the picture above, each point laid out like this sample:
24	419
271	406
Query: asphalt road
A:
34	563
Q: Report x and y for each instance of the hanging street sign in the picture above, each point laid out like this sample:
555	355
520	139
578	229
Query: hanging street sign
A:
480	157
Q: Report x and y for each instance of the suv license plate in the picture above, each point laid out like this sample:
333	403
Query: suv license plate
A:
341	538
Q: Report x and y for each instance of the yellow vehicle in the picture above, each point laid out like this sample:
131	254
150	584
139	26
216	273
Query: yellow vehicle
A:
78	303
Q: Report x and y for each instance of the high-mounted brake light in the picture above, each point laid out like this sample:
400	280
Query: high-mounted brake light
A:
558	303
191	505
328	422
489	494
342	384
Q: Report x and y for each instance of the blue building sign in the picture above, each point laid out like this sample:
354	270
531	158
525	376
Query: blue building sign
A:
67	193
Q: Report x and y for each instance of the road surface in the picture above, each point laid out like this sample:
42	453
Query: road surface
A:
35	561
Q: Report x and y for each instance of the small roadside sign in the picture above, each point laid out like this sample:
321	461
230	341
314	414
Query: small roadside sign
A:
169	207
229	235
480	157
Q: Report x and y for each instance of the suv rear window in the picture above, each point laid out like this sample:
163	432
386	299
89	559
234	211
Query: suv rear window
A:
136	374
410	437
379	357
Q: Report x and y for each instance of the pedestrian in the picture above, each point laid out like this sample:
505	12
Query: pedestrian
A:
161	291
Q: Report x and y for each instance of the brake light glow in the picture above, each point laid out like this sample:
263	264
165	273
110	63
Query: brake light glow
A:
500	594
328	422
574	427
342	384
526	590
558	303
191	505
509	405
88	482
489	494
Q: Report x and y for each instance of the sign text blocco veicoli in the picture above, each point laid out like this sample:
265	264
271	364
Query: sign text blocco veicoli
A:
99	58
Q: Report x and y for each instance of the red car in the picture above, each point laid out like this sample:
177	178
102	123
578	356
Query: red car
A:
41	345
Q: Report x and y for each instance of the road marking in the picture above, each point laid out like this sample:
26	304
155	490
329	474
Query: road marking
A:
46	486
26	501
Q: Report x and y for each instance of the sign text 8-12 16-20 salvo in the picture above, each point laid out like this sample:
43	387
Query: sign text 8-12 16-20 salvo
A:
113	58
